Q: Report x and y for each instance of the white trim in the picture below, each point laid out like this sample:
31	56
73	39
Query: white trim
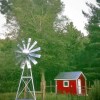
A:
83	76
64	84
56	87
79	86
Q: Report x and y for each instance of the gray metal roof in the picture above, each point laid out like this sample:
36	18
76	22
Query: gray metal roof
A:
68	75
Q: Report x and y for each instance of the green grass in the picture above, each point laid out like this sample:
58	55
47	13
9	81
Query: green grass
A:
49	96
7	96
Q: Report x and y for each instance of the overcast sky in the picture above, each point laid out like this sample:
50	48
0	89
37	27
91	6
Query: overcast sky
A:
2	29
73	10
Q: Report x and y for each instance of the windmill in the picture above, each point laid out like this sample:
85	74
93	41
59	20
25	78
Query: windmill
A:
26	55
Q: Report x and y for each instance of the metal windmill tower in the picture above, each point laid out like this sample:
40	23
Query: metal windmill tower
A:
26	55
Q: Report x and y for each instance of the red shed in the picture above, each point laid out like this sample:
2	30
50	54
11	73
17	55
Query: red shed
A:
71	83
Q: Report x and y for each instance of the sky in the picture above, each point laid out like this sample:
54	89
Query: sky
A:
2	28
73	10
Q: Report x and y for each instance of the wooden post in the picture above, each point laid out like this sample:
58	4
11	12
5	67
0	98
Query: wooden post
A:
43	86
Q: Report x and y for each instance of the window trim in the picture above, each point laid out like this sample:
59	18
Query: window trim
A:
64	84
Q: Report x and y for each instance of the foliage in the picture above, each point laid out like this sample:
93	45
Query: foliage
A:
60	49
56	54
74	45
36	16
8	72
63	48
94	93
98	1
92	48
5	6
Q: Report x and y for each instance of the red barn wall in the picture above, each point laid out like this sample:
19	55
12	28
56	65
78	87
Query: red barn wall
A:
83	84
69	90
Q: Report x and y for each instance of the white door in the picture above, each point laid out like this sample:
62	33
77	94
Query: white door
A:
79	87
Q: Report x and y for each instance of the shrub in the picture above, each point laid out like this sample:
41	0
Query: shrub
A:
94	93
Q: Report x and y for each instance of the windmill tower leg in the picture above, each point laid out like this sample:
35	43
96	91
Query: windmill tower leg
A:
19	86
33	85
26	81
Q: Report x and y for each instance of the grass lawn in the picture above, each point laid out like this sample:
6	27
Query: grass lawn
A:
7	96
49	96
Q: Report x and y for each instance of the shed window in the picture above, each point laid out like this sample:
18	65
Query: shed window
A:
66	83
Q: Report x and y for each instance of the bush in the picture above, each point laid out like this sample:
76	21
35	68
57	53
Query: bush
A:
94	93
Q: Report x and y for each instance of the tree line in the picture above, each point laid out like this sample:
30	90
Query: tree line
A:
64	48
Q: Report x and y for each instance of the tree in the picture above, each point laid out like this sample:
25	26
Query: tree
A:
74	45
36	16
36	19
5	6
92	50
60	47
98	1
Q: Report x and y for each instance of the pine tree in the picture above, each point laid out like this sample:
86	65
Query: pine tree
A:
92	50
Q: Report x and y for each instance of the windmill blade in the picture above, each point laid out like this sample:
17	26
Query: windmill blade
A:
19	61
34	50
17	51
33	45
35	55
32	60
19	47
23	42
22	64
25	54
29	41
28	64
18	55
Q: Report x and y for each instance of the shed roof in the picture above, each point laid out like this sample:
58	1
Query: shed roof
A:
68	75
